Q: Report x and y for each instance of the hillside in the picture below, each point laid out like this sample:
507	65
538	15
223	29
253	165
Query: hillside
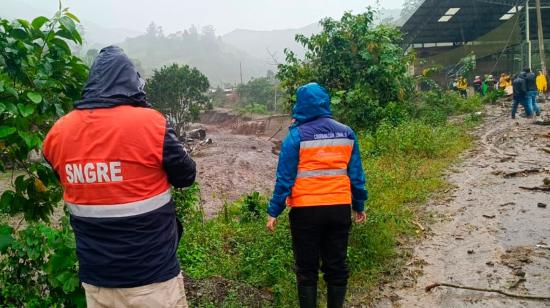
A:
265	44
217	60
261	43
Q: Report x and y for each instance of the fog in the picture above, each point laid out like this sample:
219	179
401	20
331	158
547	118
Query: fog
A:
225	16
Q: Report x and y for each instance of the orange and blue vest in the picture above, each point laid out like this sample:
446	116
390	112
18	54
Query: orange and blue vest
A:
319	163
116	160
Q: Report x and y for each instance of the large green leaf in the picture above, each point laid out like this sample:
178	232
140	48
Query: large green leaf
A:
28	138
34	97
61	43
39	21
6	131
25	110
6	201
71	15
2	108
67	23
6	237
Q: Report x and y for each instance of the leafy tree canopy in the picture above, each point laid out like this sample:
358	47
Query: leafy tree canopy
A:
259	91
364	67
179	92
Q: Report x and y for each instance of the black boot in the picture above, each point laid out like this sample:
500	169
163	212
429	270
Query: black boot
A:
336	296
307	296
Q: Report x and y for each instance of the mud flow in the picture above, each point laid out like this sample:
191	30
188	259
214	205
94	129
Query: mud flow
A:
493	230
241	158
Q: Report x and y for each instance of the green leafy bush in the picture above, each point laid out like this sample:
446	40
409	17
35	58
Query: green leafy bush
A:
39	81
39	268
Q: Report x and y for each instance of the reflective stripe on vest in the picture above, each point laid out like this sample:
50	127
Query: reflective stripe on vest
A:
120	210
312	173
325	142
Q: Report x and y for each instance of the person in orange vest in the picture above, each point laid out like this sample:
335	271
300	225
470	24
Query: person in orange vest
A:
116	159
321	178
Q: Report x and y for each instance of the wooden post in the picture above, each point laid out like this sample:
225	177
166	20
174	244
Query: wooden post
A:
541	39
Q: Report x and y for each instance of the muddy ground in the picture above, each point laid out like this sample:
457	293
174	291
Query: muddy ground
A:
241	159
232	166
487	229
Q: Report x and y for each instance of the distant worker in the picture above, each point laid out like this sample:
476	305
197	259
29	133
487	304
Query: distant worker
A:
478	84
462	86
520	96
504	81
542	84
532	92
488	84
116	159
319	176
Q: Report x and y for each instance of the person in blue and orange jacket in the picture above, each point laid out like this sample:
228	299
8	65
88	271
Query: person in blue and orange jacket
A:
320	176
116	159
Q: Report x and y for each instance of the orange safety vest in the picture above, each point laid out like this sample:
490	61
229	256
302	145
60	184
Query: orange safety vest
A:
322	177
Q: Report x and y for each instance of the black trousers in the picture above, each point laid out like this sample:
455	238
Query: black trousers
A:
320	233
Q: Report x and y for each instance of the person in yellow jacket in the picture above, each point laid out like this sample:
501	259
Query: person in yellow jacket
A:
542	84
462	86
504	81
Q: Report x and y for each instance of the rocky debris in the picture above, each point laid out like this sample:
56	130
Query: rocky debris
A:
523	173
197	134
541	205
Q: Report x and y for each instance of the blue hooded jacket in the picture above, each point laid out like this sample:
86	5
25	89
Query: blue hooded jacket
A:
312	114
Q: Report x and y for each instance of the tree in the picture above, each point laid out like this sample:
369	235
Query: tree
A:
179	93
40	78
153	30
259	91
364	68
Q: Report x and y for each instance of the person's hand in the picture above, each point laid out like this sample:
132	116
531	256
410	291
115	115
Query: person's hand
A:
271	222
360	217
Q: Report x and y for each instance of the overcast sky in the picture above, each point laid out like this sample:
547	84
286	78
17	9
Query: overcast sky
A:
224	15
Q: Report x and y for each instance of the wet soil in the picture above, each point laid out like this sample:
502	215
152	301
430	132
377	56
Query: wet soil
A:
487	229
232	166
214	290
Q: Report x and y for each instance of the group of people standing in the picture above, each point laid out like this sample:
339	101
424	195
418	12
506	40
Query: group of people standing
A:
526	89
524	86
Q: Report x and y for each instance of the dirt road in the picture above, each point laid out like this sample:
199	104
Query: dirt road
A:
488	228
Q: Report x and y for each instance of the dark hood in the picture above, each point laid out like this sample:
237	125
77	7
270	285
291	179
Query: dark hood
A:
312	102
113	81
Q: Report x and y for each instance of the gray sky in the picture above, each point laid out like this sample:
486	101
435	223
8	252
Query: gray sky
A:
225	16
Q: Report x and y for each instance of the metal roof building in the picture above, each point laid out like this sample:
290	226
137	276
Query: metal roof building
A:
444	31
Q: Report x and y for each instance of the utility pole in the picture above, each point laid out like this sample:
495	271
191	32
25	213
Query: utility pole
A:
241	71
541	39
527	33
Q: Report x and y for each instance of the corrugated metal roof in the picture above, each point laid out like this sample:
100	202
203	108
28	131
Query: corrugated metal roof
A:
451	21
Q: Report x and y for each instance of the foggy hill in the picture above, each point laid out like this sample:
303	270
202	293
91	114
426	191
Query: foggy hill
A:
217	60
265	44
258	43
